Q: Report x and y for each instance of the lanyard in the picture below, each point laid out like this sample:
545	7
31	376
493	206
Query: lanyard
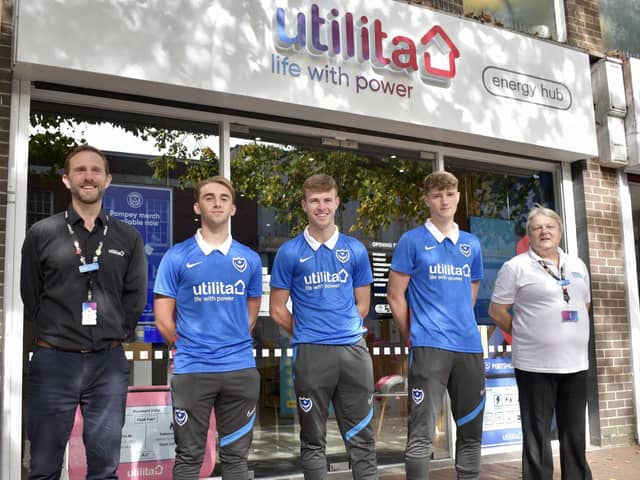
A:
561	280
94	265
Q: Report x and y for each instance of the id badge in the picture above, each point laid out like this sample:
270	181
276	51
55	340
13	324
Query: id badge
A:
569	315
89	313
90	267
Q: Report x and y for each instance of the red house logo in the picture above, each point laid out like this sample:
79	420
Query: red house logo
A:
440	56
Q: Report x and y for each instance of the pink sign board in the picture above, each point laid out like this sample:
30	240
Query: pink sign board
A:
148	447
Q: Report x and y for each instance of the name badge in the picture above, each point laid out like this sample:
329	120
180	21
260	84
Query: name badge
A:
89	313
564	282
90	267
569	315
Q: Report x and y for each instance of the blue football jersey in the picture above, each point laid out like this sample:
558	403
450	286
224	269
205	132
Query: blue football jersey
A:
211	294
439	291
321	284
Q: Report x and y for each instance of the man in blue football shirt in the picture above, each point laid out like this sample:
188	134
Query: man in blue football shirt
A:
328	277
214	285
435	275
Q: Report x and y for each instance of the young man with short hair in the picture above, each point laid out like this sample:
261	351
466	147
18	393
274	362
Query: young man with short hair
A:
214	285
328	277
435	275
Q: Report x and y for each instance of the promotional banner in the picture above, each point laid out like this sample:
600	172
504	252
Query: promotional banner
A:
342	61
148	447
501	423
149	210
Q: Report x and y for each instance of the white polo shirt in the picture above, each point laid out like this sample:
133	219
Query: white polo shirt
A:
542	340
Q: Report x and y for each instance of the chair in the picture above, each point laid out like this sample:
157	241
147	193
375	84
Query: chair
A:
384	389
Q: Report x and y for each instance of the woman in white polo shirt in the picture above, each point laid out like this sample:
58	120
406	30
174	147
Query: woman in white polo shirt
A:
541	298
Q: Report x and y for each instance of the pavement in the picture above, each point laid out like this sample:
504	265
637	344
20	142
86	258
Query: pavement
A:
612	463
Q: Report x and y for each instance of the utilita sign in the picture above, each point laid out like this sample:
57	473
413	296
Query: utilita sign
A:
363	39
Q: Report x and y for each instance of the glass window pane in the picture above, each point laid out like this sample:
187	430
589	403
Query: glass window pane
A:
381	197
136	146
494	205
535	18
620	25
39	205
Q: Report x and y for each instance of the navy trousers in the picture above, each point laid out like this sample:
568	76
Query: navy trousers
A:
60	381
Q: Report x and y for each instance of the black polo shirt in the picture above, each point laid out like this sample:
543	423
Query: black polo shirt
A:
53	289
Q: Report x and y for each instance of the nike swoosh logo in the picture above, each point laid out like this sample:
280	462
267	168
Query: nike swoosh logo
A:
250	412
429	247
370	399
304	259
191	265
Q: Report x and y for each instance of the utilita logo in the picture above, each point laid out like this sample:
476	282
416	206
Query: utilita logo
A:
333	34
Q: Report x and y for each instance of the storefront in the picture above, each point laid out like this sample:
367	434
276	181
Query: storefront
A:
377	91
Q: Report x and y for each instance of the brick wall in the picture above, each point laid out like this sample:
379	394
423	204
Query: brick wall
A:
583	25
610	322
6	32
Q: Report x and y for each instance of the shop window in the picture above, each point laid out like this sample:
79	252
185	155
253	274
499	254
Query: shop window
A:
380	191
39	206
535	18
150	158
620	26
494	205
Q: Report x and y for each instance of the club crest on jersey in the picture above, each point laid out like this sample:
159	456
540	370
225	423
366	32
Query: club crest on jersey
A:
240	263
342	255
418	395
181	416
305	404
465	249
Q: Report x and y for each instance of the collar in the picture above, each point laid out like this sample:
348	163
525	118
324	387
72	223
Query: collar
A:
439	236
536	258
73	217
315	244
207	248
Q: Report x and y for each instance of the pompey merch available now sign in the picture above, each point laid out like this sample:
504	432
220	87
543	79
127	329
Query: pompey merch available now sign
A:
148	210
374	63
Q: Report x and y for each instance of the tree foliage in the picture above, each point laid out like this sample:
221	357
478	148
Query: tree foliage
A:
51	140
383	190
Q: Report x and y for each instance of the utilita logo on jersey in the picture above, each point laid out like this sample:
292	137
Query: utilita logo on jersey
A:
332	33
317	280
218	291
443	271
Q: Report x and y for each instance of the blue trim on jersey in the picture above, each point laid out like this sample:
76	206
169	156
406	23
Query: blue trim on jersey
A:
358	428
224	441
476	411
321	283
440	288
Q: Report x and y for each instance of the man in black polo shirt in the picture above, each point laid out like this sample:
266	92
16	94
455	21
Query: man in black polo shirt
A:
84	283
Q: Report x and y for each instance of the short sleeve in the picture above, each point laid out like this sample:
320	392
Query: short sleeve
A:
255	282
403	259
505	289
362	274
167	277
477	270
587	281
282	271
